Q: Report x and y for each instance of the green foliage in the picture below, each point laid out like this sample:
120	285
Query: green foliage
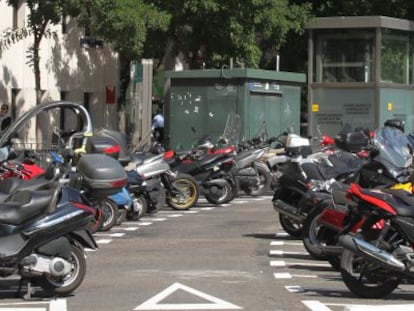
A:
211	32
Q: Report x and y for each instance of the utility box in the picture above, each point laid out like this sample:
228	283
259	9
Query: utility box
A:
199	102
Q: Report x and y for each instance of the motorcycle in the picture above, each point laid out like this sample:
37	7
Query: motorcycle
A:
379	256
43	232
180	191
291	199
391	154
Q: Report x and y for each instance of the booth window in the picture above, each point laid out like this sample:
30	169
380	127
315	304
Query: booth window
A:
396	57
344	56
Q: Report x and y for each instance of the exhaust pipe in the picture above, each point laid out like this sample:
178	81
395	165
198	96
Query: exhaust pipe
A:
288	210
370	251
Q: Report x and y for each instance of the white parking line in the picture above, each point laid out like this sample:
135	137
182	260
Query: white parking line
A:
103	241
287	275
282	263
112	235
315	305
282	235
175	215
128	228
144	223
283	253
282	243
294	289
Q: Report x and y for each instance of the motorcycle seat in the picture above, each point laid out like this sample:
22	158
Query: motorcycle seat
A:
24	205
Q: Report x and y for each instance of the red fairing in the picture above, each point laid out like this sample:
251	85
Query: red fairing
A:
32	170
356	191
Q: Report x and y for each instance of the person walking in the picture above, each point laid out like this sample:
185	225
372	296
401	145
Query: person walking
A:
5	118
158	125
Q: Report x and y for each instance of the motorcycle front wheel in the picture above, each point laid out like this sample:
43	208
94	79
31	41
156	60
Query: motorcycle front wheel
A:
184	194
365	278
64	285
139	207
110	214
291	226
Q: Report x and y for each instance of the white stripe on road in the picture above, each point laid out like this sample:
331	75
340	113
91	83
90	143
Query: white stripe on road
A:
282	235
53	305
282	243
127	228
103	241
282	253
282	263
207	208
144	223
112	235
153	219
315	305
240	202
287	275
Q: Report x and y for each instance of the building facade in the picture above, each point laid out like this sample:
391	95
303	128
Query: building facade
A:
73	67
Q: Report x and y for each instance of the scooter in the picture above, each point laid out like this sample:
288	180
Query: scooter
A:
43	232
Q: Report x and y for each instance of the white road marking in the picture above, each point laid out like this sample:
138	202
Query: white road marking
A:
103	241
315	305
144	223
282	253
239	202
287	275
282	243
112	235
207	208
128	228
282	263
214	303
153	219
403	307
52	305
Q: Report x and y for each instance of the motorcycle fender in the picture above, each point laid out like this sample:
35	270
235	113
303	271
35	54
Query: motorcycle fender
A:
85	238
220	181
59	247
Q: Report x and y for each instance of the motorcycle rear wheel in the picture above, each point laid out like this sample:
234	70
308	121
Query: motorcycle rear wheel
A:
219	194
63	286
366	279
264	184
185	193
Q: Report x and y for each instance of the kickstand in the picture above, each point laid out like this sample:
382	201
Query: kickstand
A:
30	289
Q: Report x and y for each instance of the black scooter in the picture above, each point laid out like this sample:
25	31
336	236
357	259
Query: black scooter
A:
43	232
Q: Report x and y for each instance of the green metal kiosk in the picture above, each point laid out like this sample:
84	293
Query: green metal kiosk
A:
199	102
360	72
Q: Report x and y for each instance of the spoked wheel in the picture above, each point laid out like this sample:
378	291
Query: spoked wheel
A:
291	226
64	285
365	278
110	214
185	193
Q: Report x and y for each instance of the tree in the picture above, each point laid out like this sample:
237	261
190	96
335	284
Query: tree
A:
42	13
210	32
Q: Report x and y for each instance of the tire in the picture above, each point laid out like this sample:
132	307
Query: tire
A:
139	207
264	185
187	192
64	286
219	194
292	227
316	236
377	284
110	214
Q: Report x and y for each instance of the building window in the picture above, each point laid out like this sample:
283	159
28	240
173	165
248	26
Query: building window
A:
396	57
344	56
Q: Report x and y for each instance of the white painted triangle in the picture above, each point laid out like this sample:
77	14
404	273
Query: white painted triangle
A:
214	303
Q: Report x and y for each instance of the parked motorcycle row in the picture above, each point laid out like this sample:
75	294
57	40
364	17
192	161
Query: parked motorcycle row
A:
351	203
93	181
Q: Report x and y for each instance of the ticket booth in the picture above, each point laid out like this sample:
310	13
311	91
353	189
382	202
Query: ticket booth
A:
360	71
